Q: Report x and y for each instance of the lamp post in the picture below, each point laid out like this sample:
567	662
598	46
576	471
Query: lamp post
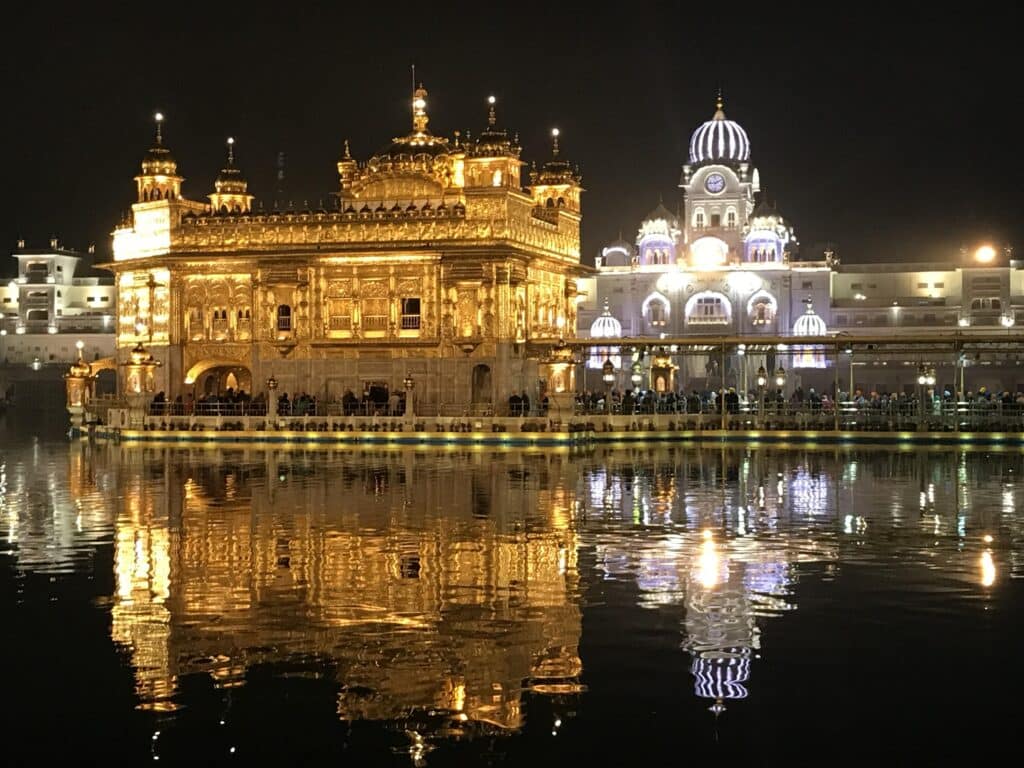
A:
272	397
762	382
608	377
637	375
409	386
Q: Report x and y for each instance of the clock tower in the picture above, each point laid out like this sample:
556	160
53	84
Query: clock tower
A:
719	185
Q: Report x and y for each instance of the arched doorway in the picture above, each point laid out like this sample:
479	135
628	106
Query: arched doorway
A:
481	397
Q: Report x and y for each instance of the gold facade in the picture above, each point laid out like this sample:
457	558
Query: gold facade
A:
436	262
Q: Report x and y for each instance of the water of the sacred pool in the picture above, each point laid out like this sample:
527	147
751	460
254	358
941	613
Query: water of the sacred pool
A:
435	607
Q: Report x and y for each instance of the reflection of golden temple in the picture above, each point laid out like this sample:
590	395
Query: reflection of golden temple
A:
436	261
420	610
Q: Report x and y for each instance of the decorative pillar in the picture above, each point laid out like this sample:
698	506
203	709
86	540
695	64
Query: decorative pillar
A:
139	381
272	398
559	374
410	411
79	381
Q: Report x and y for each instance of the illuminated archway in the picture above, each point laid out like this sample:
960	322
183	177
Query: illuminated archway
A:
708	308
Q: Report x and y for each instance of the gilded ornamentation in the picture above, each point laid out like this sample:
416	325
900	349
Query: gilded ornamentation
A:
434	241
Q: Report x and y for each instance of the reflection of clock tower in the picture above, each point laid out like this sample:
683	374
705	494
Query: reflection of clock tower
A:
719	186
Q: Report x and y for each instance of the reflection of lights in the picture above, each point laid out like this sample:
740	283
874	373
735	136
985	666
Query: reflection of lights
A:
988	569
708	563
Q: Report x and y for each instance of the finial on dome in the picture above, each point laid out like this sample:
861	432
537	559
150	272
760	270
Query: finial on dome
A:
491	117
554	136
159	118
231	151
719	106
348	155
607	306
419	110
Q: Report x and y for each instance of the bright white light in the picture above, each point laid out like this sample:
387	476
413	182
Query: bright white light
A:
555	132
3	331
860	297
708	252
987	538
419	104
671	281
159	117
963	322
985	254
1006	320
230	140
79	345
491	99
988	569
51	329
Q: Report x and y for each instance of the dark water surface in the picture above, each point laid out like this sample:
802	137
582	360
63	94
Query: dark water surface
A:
461	607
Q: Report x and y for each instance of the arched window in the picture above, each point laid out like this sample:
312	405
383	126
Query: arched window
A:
708	308
284	318
561	202
496	178
698	220
655	309
730	219
550	203
761	309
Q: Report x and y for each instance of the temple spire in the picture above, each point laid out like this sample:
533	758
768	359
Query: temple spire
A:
492	118
231	152
159	119
554	138
419	110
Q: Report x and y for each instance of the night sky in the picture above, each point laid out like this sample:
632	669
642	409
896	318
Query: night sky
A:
891	141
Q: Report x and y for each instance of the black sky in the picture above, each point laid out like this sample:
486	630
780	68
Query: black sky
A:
892	140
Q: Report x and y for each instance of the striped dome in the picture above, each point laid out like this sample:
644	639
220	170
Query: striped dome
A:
606	326
719	140
809	324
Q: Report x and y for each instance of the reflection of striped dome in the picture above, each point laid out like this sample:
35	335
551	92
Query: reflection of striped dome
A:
606	326
719	140
721	674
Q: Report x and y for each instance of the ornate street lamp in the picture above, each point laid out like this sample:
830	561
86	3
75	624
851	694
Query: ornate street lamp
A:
608	377
272	397
780	377
637	375
409	386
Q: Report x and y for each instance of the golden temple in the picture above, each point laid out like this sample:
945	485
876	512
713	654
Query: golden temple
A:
435	264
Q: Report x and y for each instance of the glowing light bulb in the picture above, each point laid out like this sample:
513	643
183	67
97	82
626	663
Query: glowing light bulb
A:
159	117
491	99
555	132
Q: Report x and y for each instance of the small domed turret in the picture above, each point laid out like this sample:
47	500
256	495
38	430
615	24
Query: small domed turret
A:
159	179
231	195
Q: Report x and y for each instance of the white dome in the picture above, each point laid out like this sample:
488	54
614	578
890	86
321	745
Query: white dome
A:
606	326
719	140
809	324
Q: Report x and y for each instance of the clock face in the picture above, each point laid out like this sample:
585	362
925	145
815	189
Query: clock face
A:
714	183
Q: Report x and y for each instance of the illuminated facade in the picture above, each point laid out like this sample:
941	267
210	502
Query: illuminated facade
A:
725	265
436	262
46	309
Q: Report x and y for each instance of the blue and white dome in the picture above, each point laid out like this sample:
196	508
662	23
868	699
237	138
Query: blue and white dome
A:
606	326
719	140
